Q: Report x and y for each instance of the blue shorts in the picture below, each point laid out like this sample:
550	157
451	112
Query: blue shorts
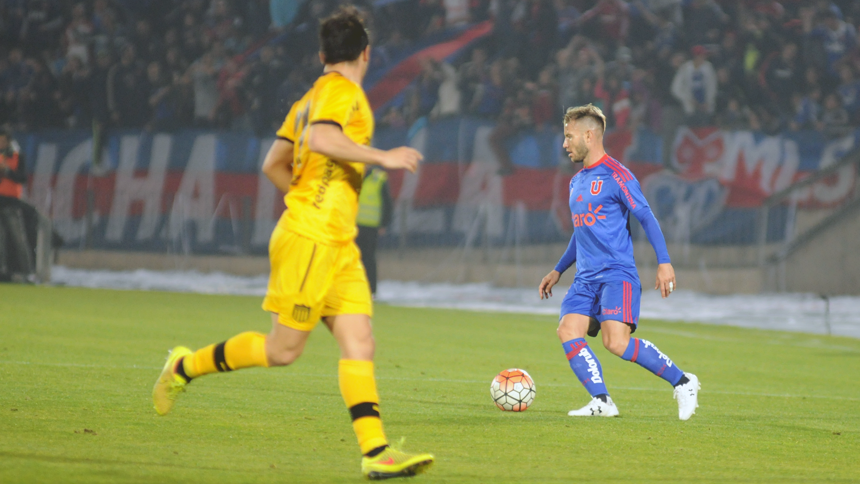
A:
616	300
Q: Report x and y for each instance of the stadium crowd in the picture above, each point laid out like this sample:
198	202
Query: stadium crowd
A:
230	64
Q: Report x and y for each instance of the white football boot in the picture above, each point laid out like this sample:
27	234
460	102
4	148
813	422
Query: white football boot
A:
596	408
687	396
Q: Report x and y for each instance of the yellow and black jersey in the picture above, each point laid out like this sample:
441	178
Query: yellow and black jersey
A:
322	203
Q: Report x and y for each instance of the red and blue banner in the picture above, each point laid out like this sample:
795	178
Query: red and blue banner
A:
202	191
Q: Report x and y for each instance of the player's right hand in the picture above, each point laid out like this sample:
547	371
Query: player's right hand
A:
547	283
404	158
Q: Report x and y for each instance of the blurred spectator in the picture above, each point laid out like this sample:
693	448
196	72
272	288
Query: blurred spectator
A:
98	93
608	20
834	118
128	91
472	75
734	116
849	92
262	82
544	100
621	67
375	211
616	100
230	108
17	75
74	94
695	86
782	75
37	101
762	64
489	94
203	74
449	94
109	33
807	110
162	102
426	90
147	46
16	259
832	36
78	34
700	17
40	25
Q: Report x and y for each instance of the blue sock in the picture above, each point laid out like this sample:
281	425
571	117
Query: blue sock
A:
646	355
585	366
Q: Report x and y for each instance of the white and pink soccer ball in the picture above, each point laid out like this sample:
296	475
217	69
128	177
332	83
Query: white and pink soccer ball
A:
513	390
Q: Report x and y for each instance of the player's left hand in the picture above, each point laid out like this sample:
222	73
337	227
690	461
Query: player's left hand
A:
665	279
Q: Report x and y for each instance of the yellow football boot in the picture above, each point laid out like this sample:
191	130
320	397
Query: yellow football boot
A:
394	463
169	385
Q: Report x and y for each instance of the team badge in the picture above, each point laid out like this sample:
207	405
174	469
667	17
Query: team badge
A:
596	186
301	313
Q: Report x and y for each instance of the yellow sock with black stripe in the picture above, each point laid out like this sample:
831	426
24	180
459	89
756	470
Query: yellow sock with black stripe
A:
358	387
244	350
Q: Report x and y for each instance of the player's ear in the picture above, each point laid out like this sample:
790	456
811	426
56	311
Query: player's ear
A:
322	58
365	56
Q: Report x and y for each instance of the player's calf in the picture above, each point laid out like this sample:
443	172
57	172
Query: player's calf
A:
645	354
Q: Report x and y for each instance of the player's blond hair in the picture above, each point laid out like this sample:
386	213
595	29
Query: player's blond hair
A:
587	111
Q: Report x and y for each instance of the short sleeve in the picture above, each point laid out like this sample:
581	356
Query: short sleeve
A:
288	129
334	103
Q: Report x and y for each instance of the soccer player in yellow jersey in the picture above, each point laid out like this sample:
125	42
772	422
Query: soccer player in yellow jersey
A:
318	160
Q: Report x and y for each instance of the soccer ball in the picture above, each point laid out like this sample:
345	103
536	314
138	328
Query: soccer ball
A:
513	390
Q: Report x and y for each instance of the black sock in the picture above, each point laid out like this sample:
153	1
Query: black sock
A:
683	380
603	397
375	452
180	370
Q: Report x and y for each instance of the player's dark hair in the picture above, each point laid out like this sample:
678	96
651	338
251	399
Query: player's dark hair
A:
587	111
343	36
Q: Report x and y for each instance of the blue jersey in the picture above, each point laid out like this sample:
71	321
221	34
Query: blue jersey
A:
602	197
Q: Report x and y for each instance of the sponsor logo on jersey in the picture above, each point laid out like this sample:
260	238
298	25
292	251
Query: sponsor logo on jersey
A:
579	198
592	366
588	218
596	186
617	310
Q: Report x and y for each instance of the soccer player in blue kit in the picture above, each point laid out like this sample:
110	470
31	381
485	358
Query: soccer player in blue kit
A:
605	292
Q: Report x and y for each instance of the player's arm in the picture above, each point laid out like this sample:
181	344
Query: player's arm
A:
635	201
278	164
665	272
551	279
329	140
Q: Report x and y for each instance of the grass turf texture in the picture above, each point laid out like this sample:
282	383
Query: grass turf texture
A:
77	368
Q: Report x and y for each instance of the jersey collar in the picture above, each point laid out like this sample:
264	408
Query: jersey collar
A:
599	162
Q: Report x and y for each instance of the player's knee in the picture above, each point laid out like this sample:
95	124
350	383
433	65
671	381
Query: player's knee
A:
616	346
564	333
283	357
359	349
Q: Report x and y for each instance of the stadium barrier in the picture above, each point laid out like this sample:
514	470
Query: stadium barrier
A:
201	192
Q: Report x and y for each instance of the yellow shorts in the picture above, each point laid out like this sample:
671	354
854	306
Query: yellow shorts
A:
310	281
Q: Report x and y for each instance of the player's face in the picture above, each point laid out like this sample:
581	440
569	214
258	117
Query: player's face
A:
574	142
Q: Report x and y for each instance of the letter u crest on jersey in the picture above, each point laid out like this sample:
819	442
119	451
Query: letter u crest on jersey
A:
596	186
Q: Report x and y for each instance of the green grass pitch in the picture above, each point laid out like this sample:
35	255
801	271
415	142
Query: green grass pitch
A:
77	368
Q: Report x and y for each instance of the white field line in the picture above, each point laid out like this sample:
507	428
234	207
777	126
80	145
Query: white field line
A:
442	380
